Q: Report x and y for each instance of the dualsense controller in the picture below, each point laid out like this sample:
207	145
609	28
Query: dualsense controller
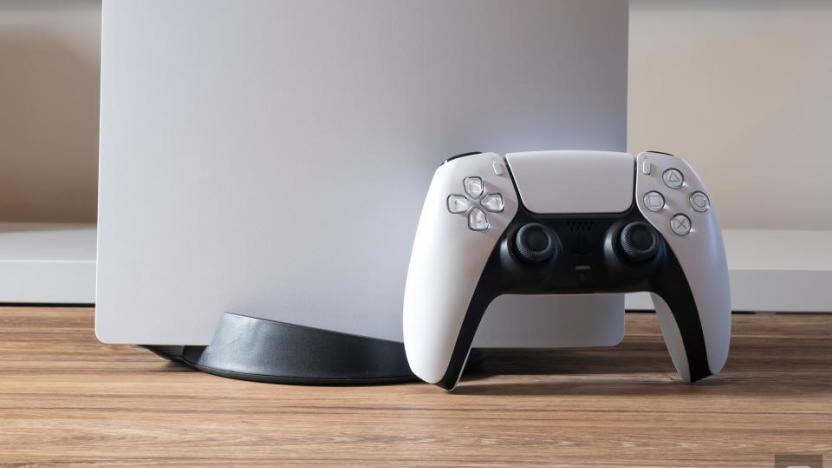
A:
566	222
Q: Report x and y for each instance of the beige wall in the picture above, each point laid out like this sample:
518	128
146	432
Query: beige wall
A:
743	89
49	62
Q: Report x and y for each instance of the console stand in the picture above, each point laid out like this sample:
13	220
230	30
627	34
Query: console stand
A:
262	350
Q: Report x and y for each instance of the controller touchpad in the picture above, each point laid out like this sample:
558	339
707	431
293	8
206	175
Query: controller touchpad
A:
573	181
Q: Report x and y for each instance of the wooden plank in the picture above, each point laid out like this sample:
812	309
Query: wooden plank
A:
66	399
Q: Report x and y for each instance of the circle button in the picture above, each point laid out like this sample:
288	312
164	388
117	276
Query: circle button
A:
673	178
653	201
680	225
700	202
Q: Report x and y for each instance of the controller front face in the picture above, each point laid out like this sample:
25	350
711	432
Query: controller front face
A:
571	222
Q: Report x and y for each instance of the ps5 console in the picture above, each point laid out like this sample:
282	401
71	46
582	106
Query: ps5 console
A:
566	222
269	158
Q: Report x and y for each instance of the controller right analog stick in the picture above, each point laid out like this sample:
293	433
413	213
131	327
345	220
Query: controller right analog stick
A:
638	241
535	243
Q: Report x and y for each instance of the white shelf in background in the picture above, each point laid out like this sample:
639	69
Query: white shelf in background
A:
771	270
47	263
774	271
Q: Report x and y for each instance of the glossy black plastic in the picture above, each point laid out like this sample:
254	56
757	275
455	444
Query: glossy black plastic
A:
590	260
250	348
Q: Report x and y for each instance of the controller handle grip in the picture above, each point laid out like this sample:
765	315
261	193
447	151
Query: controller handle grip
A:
441	309
695	287
693	307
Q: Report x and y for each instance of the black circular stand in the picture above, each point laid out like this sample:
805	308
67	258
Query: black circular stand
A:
263	350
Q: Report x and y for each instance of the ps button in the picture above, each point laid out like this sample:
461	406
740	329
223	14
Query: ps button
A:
477	221
473	187
653	201
680	224
458	203
700	202
493	202
673	178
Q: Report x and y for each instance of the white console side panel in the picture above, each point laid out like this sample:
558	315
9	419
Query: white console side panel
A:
270	157
581	181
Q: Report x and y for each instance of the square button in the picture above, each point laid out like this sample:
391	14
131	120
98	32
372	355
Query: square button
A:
653	201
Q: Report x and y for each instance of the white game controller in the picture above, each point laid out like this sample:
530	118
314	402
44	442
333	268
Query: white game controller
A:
570	222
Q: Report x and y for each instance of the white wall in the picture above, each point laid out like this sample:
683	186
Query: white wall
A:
49	66
743	89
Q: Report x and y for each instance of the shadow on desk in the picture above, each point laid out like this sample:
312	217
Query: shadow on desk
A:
757	366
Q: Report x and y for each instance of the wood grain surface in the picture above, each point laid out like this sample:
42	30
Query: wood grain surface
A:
67	400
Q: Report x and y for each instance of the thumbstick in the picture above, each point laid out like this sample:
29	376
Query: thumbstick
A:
535	243
639	241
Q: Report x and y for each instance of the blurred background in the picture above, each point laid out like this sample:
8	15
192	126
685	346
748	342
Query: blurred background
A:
742	88
49	50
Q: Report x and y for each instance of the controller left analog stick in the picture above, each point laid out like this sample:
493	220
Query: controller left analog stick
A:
639	242
535	243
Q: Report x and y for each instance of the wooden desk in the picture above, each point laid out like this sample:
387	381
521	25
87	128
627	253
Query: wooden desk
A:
66	399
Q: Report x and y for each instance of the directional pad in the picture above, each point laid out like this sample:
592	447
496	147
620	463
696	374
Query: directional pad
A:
477	220
473	187
458	203
493	202
475	203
